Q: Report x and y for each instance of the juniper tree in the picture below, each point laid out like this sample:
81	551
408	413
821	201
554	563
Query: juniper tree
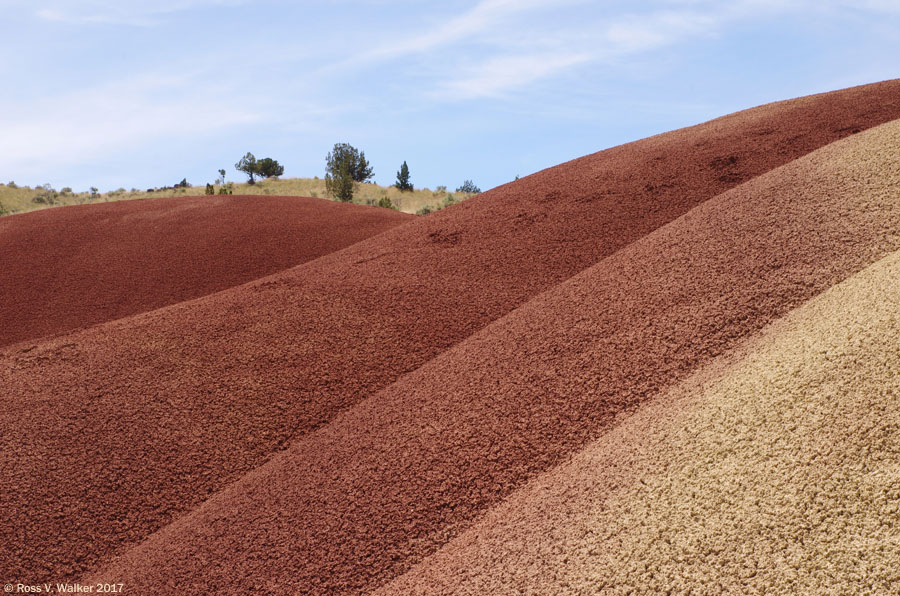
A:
403	182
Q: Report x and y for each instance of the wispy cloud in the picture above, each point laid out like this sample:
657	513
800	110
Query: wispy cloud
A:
487	16
79	126
638	33
583	43
498	75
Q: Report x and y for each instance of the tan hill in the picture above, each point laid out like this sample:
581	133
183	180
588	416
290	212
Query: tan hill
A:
773	475
386	483
164	409
80	266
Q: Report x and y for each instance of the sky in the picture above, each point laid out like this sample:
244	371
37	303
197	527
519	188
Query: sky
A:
143	93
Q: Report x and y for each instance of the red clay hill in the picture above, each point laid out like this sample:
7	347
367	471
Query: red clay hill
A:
78	266
389	481
164	409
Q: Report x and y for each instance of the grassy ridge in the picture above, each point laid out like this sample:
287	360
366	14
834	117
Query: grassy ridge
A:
21	199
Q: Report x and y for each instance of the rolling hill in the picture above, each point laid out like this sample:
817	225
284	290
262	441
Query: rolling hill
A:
776	473
79	266
387	482
331	425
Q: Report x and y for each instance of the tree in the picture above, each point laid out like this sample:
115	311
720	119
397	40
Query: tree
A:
469	187
247	165
340	183
263	168
269	168
360	169
403	183
345	166
221	179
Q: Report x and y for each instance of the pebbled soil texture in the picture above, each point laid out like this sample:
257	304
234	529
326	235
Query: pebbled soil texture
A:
326	428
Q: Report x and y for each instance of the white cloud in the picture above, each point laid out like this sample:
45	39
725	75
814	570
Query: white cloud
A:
627	34
486	16
80	126
647	32
497	75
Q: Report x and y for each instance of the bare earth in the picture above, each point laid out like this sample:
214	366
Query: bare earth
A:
780	476
74	267
338	424
389	481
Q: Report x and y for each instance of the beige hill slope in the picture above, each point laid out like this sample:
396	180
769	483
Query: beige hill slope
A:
777	474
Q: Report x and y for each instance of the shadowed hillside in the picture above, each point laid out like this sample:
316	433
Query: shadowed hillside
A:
169	407
386	483
78	266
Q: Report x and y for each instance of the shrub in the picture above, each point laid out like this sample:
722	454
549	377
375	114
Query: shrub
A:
67	190
386	203
210	189
11	184
425	210
448	200
45	197
226	189
469	187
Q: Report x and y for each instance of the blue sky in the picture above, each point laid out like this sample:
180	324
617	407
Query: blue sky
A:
118	93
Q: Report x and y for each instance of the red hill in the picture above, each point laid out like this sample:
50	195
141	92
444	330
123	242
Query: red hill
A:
78	266
389	481
163	409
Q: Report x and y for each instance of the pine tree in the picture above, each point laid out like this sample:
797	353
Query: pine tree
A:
403	182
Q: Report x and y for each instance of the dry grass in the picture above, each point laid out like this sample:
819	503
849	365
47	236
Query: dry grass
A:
22	199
